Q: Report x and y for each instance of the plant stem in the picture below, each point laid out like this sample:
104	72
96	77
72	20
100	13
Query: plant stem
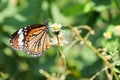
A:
102	57
60	56
98	53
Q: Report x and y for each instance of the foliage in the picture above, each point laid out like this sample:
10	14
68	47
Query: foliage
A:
92	28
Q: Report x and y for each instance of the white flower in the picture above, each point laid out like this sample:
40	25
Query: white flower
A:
55	27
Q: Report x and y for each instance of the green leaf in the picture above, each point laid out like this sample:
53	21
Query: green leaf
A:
74	10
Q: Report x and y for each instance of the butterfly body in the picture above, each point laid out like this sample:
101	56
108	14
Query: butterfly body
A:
33	39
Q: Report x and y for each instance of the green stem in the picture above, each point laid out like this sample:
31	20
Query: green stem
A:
60	55
58	47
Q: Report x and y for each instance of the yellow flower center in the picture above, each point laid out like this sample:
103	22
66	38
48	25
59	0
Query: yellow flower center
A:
56	27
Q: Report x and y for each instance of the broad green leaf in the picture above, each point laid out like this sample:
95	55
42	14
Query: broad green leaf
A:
74	10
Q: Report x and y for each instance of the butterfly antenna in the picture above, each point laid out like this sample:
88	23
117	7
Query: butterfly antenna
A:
46	22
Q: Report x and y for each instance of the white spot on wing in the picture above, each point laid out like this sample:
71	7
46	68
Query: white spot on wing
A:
20	31
21	37
25	27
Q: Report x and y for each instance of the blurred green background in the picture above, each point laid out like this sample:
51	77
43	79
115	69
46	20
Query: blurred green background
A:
101	15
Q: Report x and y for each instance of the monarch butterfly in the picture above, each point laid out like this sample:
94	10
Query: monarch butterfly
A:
33	39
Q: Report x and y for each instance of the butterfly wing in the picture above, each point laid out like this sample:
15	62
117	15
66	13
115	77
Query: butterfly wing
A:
34	39
37	41
16	40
